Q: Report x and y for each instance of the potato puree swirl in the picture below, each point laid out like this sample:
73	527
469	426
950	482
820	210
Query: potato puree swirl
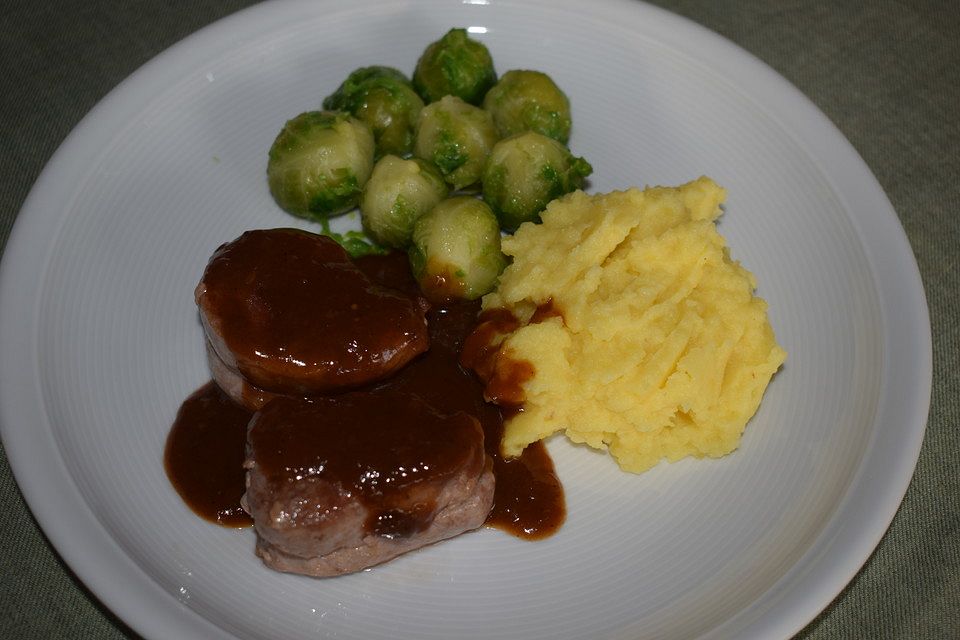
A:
655	347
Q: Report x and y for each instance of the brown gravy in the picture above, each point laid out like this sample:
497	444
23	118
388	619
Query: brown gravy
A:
204	456
529	500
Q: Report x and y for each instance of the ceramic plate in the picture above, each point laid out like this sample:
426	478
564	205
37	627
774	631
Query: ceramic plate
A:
101	340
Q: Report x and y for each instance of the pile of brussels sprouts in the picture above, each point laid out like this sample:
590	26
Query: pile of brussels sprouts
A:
438	166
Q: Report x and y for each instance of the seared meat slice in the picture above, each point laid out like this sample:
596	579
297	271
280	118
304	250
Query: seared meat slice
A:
335	486
235	385
288	312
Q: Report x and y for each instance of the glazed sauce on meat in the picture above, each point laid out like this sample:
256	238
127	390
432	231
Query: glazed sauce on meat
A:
296	316
204	456
528	501
389	450
528	498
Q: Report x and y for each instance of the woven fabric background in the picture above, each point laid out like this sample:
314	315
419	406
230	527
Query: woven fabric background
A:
886	72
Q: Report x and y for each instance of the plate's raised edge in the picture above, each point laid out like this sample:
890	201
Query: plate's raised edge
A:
873	497
49	490
834	557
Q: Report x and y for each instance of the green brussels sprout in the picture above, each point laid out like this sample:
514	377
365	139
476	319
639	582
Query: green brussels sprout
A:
383	98
456	137
319	163
525	172
397	193
456	250
529	101
454	65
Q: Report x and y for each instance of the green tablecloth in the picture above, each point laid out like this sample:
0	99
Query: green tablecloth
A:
886	72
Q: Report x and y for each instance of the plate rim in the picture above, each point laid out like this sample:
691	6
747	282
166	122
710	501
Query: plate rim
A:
59	508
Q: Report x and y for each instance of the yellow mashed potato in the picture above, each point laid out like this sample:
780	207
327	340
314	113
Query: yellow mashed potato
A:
660	351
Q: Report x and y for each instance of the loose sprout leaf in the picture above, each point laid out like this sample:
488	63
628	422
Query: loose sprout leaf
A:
356	243
581	168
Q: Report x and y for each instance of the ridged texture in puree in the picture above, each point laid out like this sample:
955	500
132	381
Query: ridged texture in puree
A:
655	347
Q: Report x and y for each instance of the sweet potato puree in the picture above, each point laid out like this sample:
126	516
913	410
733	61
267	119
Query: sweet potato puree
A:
653	347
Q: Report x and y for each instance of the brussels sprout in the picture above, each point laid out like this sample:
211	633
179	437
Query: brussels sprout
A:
397	193
383	98
456	250
529	101
454	65
319	163
525	172
456	137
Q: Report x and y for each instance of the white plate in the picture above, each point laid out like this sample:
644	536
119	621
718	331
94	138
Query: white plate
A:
101	340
